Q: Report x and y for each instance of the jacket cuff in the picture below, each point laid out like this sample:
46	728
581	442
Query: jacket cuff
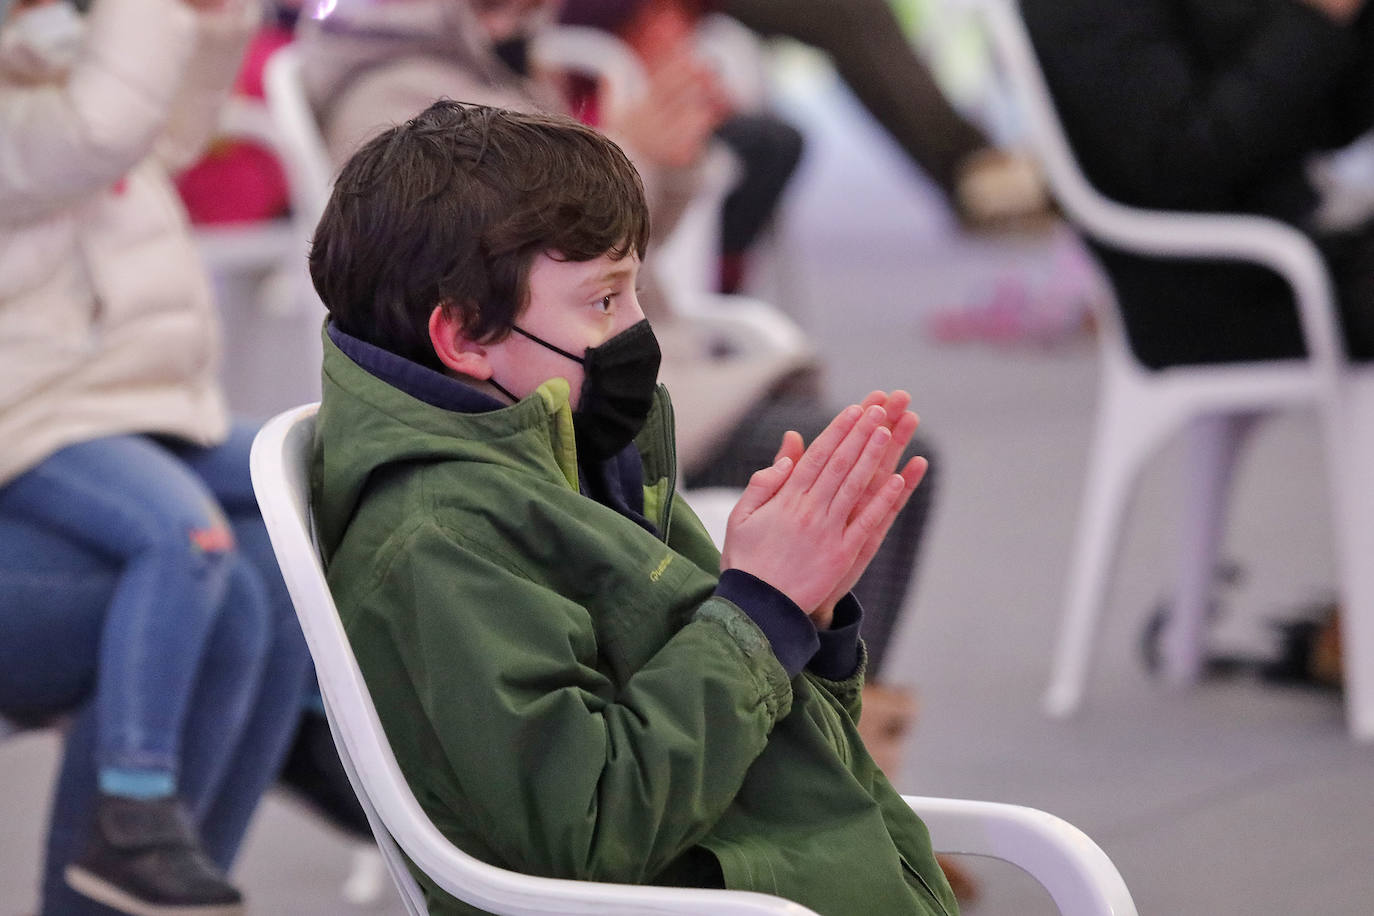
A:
789	631
837	657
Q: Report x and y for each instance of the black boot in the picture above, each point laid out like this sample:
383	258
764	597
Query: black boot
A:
145	859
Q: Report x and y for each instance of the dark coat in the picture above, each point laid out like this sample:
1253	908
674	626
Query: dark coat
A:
1205	105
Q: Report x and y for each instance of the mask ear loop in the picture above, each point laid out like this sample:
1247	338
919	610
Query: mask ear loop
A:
543	343
501	388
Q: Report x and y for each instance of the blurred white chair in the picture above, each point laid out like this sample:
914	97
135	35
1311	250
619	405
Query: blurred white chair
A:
1077	873
309	173
1139	408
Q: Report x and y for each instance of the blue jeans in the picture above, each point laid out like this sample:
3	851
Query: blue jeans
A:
127	602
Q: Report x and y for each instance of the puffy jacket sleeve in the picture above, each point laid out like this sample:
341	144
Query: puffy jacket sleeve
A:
1157	126
61	143
570	774
221	37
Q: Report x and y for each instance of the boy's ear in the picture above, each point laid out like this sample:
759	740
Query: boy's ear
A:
452	346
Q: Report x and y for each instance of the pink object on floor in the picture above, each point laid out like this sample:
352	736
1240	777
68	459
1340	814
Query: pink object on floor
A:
1017	313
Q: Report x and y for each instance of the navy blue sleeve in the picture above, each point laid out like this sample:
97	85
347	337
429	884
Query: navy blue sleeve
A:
838	654
790	632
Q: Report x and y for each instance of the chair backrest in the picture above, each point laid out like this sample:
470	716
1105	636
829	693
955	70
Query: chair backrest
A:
309	171
304	157
1156	233
1079	876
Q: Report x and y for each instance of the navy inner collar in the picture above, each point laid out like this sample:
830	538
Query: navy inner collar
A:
420	382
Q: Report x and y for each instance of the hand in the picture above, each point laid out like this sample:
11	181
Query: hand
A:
672	124
803	522
1342	11
902	422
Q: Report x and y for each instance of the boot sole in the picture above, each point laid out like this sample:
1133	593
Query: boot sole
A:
101	891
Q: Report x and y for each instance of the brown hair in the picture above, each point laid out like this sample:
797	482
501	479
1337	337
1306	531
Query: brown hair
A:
451	207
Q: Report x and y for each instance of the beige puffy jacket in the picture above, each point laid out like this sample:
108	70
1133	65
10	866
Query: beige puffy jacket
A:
107	325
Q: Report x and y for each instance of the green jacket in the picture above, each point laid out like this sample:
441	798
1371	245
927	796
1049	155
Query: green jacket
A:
563	692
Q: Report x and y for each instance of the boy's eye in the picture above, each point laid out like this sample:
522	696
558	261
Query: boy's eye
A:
605	303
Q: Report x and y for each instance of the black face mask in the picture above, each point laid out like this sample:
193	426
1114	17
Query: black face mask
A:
617	389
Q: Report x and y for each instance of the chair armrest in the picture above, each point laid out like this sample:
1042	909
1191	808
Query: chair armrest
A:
1253	239
1077	873
756	325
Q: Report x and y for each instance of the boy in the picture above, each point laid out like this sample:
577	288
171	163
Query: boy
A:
571	684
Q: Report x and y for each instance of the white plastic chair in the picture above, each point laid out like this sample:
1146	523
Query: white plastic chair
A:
1077	873
309	173
304	157
1139	408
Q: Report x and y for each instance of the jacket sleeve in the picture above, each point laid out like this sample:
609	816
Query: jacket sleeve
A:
59	144
570	774
221	37
1154	124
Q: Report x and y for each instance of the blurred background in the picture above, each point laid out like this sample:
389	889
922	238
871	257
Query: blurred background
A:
1239	795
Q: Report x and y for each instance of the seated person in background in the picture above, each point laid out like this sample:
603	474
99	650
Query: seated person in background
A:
138	588
574	680
368	65
986	187
1215	107
766	147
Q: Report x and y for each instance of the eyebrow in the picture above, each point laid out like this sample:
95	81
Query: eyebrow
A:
615	273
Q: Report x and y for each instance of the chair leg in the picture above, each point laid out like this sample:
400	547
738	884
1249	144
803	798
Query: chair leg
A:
1127	431
1213	443
1353	517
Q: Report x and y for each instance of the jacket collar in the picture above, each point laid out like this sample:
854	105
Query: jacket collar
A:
617	482
420	382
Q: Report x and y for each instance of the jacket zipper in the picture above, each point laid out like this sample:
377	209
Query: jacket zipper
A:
669	440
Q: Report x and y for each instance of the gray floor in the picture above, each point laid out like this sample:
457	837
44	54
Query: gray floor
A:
1231	798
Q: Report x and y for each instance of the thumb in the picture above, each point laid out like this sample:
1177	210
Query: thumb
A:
763	486
792	446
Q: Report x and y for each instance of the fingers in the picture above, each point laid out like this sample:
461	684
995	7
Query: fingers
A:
911	477
876	517
763	486
859	478
914	473
898	418
823	446
854	460
897	404
792	446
